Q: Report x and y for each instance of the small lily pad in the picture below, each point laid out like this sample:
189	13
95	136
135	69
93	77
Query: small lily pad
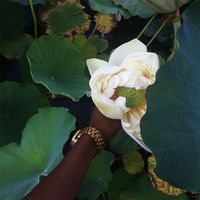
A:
133	162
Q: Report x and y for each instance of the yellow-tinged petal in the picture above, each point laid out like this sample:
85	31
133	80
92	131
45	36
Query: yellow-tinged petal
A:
121	52
131	124
159	184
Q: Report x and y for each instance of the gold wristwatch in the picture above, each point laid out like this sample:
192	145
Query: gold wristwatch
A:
93	133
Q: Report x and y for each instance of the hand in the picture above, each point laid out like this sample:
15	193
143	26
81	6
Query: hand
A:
107	127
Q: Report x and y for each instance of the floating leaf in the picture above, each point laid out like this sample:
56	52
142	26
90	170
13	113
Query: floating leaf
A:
133	162
170	127
100	43
97	177
15	48
65	18
86	47
59	65
118	183
18	101
12	20
166	6
135	7
39	152
90	47
142	189
122	143
103	6
108	7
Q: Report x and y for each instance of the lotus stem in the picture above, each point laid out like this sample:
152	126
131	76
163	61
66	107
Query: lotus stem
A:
95	28
157	32
34	18
144	29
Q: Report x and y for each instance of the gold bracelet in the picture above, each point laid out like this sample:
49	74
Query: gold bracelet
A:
93	133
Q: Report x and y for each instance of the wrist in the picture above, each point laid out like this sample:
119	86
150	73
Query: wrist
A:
93	133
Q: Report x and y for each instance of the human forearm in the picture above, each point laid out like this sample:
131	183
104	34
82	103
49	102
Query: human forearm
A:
64	181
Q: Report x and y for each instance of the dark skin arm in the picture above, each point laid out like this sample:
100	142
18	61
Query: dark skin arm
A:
64	181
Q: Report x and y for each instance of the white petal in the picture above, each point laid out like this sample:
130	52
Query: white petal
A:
108	107
142	69
131	125
120	53
94	64
151	58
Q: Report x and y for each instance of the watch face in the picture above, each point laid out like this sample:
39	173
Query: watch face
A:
76	137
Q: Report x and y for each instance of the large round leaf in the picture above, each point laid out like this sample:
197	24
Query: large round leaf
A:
58	64
108	7
135	7
171	127
166	6
15	48
66	18
39	152
18	102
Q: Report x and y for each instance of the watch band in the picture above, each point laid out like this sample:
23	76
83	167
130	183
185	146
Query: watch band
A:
93	133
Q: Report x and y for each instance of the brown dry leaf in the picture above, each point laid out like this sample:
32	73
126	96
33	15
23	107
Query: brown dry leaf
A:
159	184
105	23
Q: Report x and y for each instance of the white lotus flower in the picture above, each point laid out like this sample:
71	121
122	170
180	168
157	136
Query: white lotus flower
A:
118	86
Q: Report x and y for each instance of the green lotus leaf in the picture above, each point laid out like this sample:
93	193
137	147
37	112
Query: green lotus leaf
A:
86	47
133	162
21	166
122	143
12	20
135	7
59	65
97	177
100	43
108	7
105	6
166	6
89	47
66	18
142	189
170	127
18	101
15	48
119	182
